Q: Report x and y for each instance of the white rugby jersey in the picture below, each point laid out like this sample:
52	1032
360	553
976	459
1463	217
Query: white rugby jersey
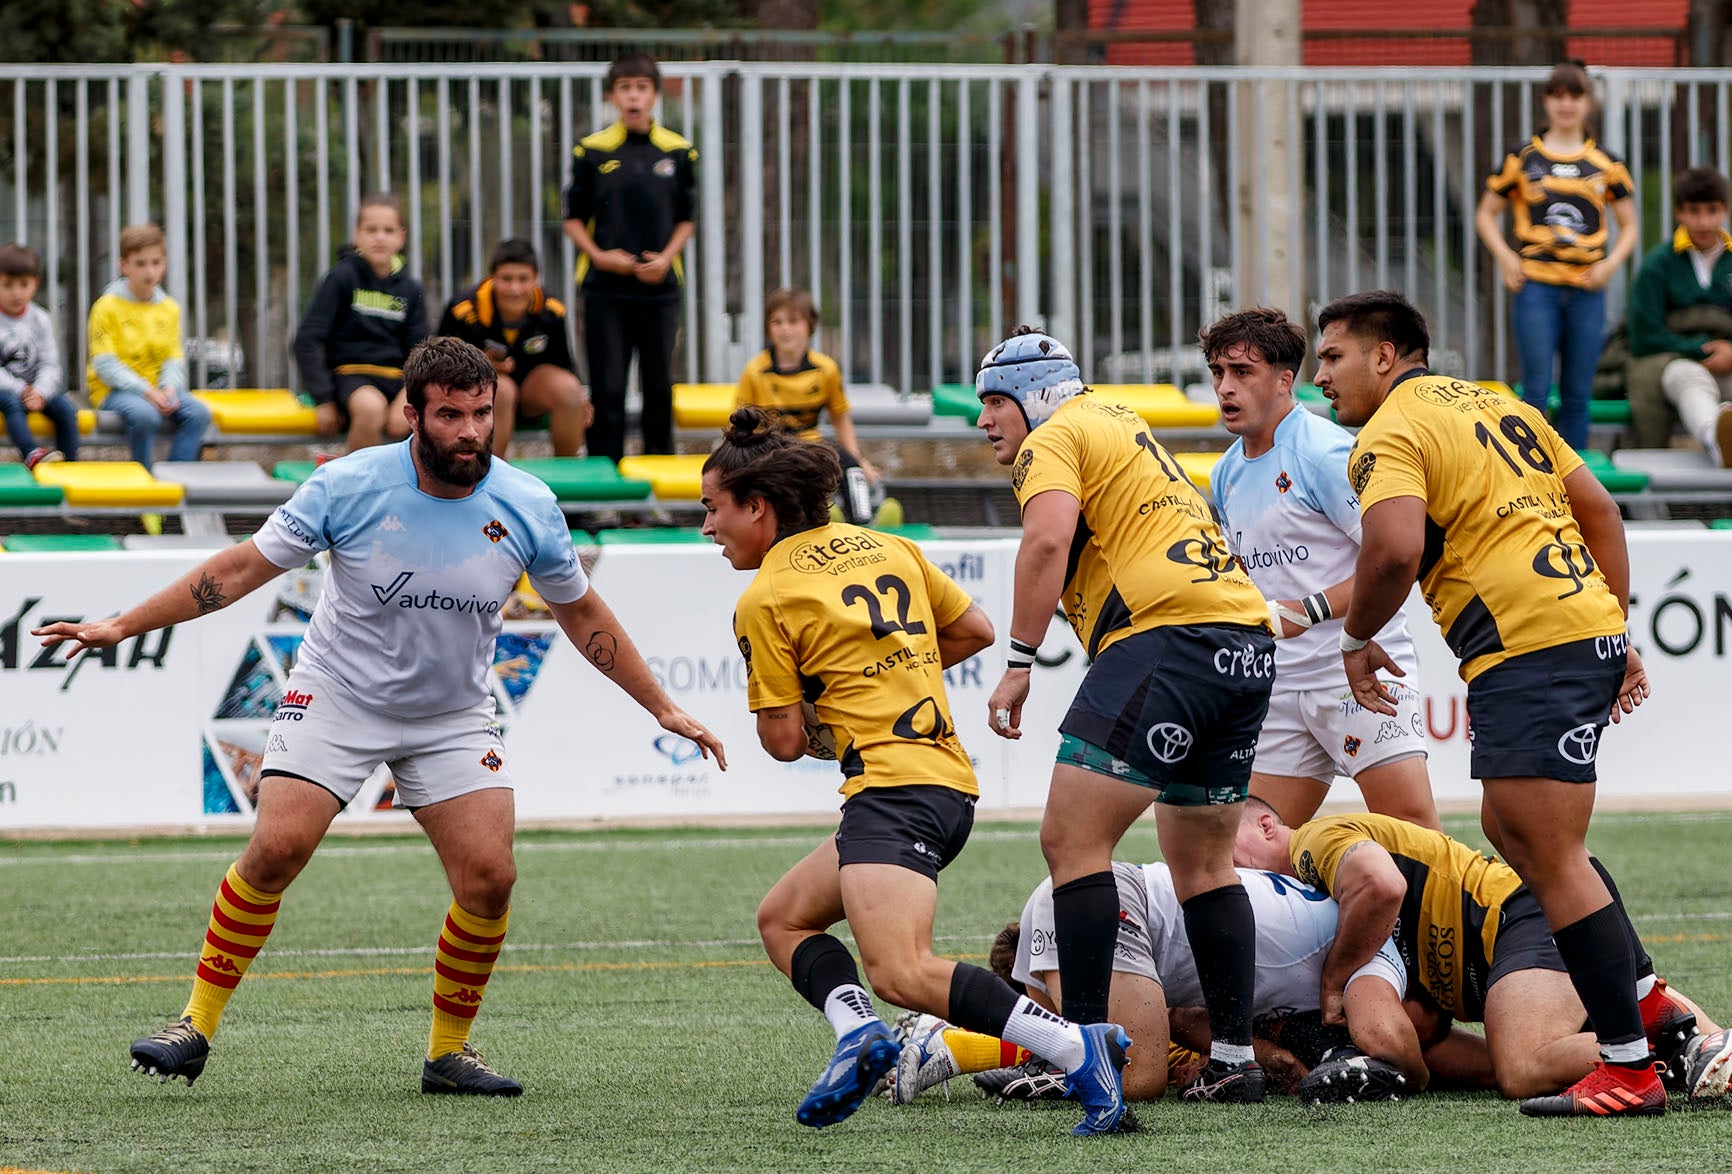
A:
411	603
1293	521
1295	928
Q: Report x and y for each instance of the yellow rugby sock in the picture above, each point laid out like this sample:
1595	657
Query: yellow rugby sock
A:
240	921
981	1053
468	948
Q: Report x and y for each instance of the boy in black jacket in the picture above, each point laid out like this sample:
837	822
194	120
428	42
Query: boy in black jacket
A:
523	332
365	316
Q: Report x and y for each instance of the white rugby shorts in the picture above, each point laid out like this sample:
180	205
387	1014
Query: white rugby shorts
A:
1321	733
321	733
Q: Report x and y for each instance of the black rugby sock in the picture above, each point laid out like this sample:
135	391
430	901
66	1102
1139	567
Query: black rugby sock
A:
980	1001
1085	914
820	964
1644	964
1603	970
1223	934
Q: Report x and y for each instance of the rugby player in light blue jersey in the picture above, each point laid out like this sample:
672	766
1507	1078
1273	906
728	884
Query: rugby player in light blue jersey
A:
1292	520
427	539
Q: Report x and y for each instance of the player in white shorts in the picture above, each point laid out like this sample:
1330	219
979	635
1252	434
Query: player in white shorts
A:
1155	986
1292	520
427	539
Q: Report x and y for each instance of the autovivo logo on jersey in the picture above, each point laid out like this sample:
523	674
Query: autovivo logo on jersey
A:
395	594
20	652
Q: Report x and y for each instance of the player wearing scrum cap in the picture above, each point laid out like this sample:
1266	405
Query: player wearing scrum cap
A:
1170	709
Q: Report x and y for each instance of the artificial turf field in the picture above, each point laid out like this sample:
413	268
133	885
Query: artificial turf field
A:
634	1004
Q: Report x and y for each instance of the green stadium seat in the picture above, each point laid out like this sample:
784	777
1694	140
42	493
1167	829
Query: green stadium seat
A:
296	471
1720	524
914	531
1614	479
19	488
60	543
956	399
582	539
1309	393
1613	412
651	536
584	479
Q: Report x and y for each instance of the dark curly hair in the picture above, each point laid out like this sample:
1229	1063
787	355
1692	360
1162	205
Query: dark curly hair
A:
1002	956
757	458
451	363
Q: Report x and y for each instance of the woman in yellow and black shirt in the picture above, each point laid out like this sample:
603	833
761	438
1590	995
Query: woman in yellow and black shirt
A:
1560	185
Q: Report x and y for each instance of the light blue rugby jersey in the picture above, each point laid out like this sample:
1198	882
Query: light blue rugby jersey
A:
1293	521
410	607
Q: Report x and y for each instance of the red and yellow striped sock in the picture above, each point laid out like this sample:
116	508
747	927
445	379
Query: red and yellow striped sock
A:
468	948
240	921
981	1053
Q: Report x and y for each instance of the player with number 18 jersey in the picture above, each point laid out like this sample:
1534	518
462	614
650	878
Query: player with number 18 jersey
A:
1505	570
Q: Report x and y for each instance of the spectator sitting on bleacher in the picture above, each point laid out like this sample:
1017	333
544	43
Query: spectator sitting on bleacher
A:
523	333
365	317
137	367
32	378
795	385
1680	320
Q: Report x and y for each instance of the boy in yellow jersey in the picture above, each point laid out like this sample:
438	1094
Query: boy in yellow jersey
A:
1520	554
796	384
137	366
861	626
1475	946
1171	707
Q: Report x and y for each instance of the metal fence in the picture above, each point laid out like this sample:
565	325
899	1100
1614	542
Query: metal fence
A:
929	207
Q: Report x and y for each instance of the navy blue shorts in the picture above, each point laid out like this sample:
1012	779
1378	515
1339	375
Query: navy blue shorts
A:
921	827
1539	715
1182	706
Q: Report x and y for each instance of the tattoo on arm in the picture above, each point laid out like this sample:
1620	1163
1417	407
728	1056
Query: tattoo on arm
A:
601	649
207	594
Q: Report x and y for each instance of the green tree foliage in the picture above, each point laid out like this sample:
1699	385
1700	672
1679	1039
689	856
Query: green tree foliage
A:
64	31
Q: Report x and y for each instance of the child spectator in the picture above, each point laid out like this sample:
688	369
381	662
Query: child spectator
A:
795	385
363	320
523	332
629	210
32	378
137	368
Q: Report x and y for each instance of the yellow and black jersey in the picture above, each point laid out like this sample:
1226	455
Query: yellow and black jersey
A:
848	619
1447	930
794	399
1559	203
1505	569
1165	560
540	338
631	189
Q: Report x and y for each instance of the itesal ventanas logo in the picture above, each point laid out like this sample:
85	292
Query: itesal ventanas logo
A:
392	594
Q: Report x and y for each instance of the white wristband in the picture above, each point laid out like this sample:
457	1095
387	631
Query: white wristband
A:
1351	643
1279	611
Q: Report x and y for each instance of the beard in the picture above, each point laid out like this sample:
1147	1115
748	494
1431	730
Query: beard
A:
442	464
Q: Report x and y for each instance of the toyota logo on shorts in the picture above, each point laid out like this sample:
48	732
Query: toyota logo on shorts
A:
1169	742
1578	745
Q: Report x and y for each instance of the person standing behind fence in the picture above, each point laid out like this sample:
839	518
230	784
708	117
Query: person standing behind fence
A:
629	210
1560	184
522	330
366	316
137	365
32	378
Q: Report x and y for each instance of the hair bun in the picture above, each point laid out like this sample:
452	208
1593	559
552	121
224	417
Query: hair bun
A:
749	425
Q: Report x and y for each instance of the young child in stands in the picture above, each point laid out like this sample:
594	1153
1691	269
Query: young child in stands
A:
795	385
137	367
32	378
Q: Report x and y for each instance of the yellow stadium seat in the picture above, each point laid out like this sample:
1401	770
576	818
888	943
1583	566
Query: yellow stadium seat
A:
259	410
109	483
41	425
675	478
1198	466
1496	385
703	405
1161	404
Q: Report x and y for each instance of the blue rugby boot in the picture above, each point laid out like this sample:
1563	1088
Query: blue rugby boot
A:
862	1056
1097	1083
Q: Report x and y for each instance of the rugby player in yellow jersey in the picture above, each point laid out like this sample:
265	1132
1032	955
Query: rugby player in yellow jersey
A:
1520	554
861	625
1171	706
1476	949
